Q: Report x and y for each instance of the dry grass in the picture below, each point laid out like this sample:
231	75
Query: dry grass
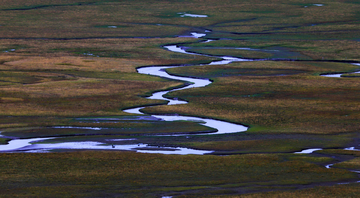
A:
49	77
74	63
77	97
140	51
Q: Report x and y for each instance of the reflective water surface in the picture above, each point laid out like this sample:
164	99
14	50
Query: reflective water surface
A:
222	127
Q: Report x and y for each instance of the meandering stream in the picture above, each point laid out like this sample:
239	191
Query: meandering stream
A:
222	127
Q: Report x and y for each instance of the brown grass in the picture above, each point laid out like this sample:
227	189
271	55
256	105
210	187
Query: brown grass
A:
78	97
63	82
72	63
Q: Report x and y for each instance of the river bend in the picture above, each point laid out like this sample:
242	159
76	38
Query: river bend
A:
221	127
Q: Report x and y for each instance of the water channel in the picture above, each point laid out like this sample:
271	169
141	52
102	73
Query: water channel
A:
222	127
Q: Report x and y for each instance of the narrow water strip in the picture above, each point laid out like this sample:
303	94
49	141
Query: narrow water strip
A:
92	145
222	127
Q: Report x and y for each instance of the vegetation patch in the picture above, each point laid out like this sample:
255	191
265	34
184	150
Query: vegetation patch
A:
131	174
40	85
353	164
254	146
4	140
248	142
345	190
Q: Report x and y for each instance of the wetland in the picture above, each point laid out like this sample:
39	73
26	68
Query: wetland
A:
259	99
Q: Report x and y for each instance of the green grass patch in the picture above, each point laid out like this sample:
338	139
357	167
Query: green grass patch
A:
254	146
4	140
132	174
351	75
345	190
353	164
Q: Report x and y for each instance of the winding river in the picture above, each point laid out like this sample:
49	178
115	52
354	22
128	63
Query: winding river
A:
222	127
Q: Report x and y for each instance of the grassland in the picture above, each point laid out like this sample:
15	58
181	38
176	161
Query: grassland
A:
61	81
62	62
345	190
129	174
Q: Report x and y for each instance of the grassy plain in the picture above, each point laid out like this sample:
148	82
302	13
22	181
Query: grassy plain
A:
127	174
52	78
62	60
